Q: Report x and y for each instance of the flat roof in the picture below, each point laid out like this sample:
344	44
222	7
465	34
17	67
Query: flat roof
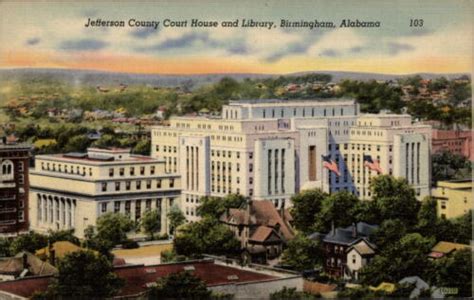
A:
292	101
79	158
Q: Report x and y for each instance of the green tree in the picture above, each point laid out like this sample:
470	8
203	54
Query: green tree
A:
406	257
447	165
291	293
180	285
214	207
395	198
63	235
306	205
337	208
362	292
142	147
455	271
206	236
427	217
30	242
113	227
389	233
107	140
176	218
368	212
77	143
85	275
151	223
5	247
302	253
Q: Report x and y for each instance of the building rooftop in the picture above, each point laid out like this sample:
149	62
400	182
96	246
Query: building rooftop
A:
319	101
100	156
348	235
263	213
443	248
139	277
25	261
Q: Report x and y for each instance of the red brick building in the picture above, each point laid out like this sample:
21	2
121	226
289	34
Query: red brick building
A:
14	163
454	141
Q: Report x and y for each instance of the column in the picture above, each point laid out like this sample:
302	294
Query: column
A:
73	213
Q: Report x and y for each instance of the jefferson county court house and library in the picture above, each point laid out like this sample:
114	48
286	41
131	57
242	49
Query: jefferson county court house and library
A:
272	149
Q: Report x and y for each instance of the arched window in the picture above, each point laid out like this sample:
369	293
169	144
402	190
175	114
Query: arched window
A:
7	170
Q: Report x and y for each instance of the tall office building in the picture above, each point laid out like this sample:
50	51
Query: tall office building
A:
272	149
14	186
72	190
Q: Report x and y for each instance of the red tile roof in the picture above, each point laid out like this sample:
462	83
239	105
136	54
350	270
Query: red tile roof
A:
25	287
261	212
261	234
138	276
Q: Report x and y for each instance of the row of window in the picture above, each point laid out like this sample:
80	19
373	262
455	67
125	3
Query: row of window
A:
364	147
126	207
126	185
67	169
131	171
303	112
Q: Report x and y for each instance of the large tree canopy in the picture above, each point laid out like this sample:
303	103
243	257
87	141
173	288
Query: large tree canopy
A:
85	275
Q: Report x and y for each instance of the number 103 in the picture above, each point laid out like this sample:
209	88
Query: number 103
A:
416	22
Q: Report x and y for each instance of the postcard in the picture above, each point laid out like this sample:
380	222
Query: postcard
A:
236	149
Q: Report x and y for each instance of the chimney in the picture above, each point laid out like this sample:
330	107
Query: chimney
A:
52	256
354	230
25	261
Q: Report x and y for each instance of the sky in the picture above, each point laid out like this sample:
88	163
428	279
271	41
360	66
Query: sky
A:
51	34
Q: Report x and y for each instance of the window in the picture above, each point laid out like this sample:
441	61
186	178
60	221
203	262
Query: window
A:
250	155
127	185
142	170
171	183
111	172
158	183
127	207
116	206
148	204
132	171
138	184
117	186
122	171
148	184
21	216
104	186
152	170
103	207
7	170
138	209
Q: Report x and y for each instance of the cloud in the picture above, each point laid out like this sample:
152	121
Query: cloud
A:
395	48
82	45
238	48
33	41
356	49
143	32
184	41
330	53
291	49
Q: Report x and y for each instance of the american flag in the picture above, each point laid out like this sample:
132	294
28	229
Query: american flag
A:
372	164
330	164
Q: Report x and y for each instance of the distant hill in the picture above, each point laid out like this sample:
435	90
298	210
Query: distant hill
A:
102	78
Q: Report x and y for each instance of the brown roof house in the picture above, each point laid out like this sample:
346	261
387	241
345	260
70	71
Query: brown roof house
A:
261	228
24	264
